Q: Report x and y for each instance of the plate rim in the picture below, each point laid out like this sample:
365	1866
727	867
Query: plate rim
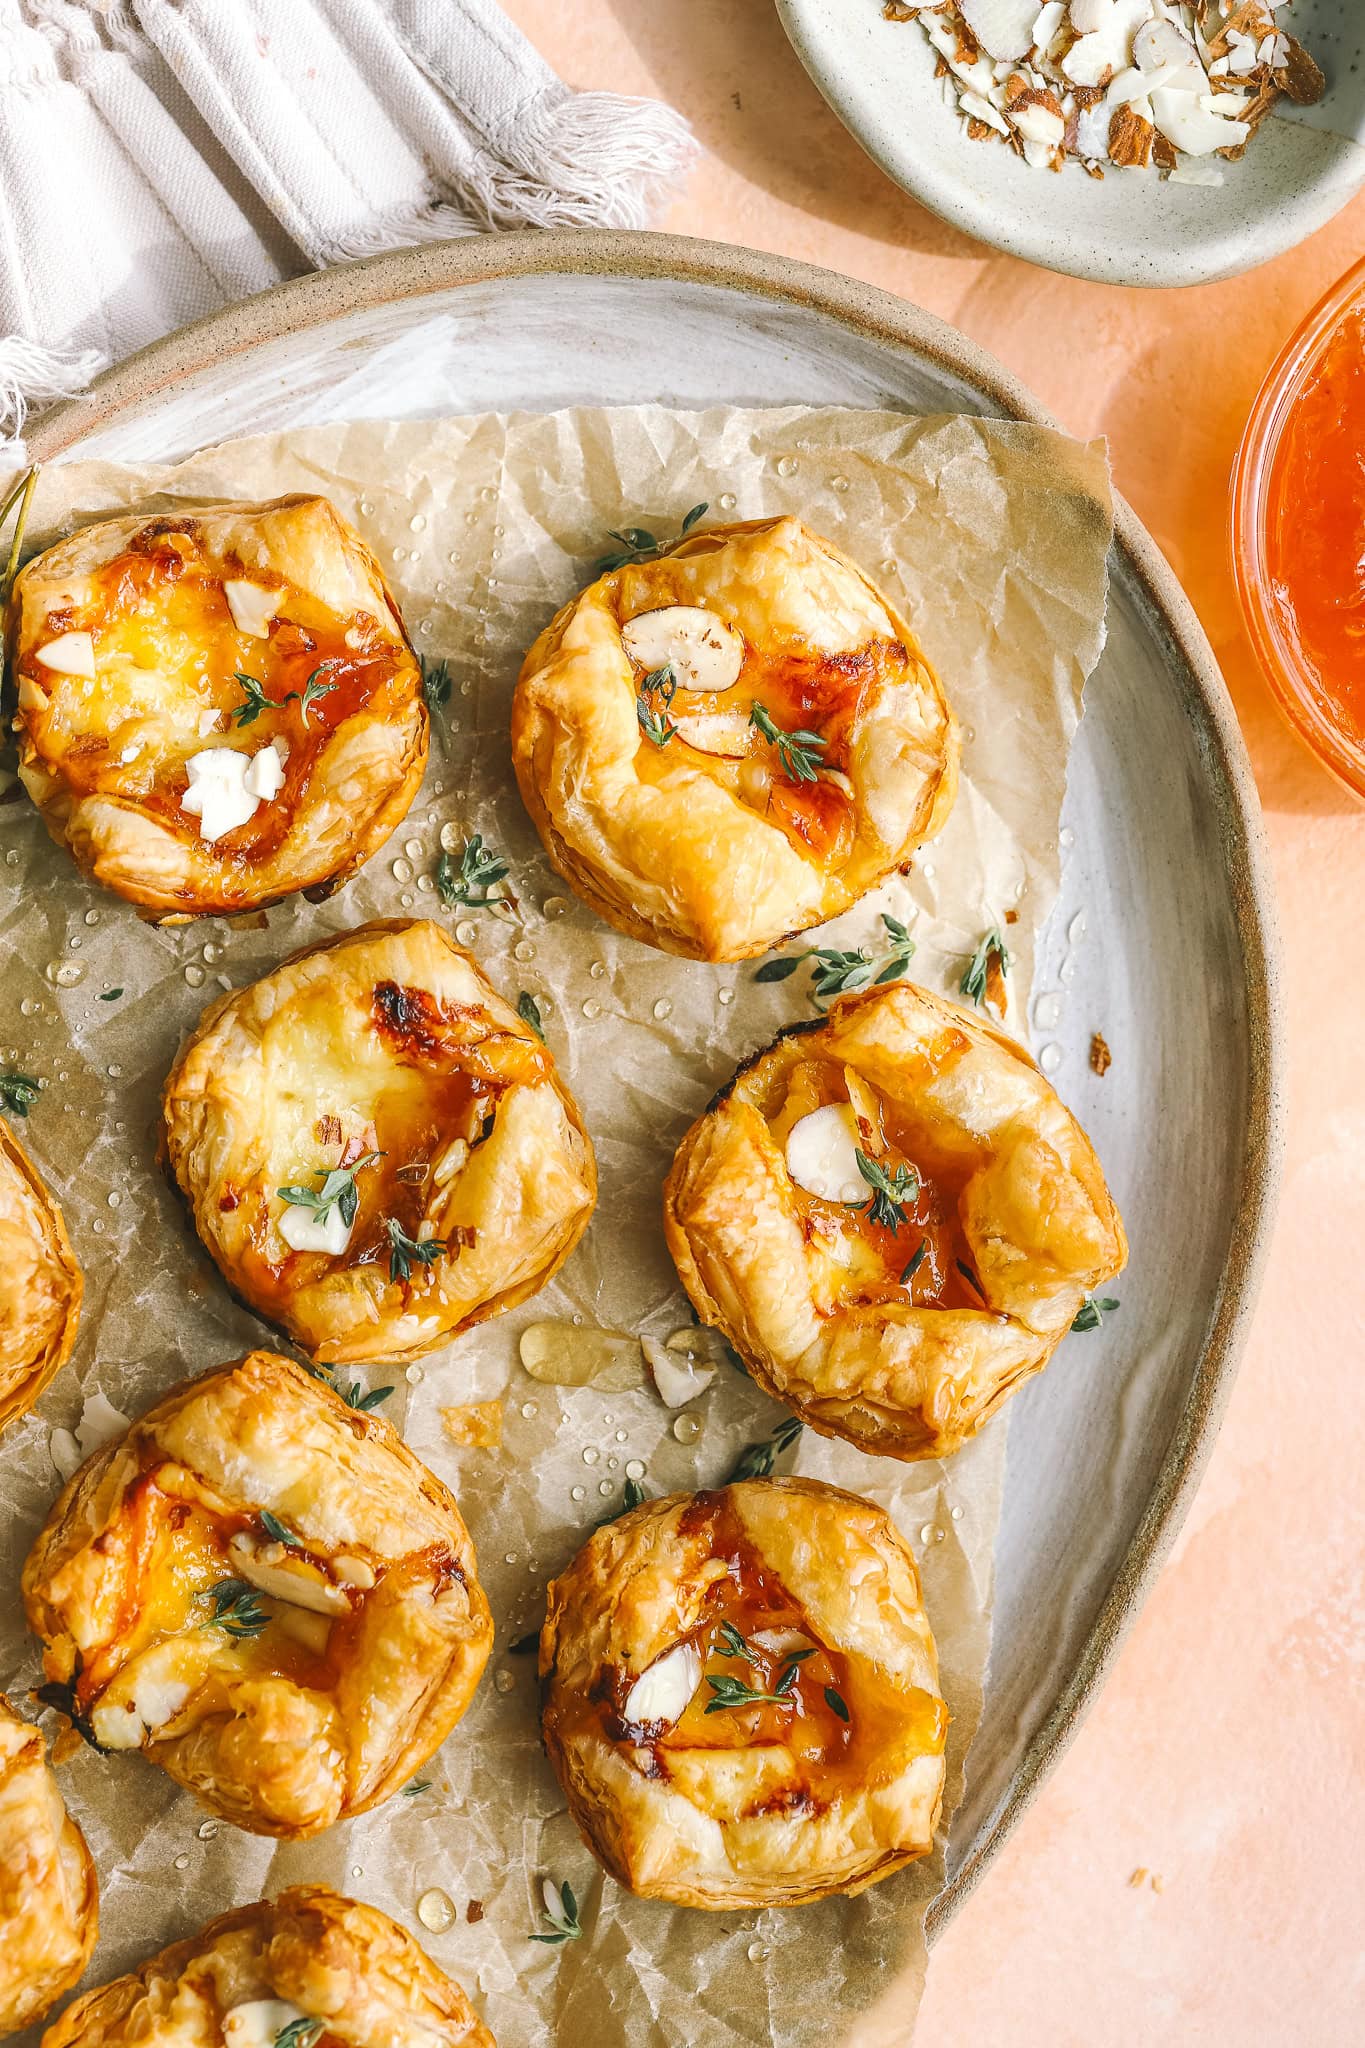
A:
1278	230
319	297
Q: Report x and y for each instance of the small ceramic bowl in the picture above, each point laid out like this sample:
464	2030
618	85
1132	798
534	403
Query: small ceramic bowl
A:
1277	649
1130	227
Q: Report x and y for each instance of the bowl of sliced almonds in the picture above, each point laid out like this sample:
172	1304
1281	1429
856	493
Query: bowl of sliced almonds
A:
1132	141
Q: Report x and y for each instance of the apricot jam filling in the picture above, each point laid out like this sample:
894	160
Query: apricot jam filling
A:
813	699
908	1249
158	608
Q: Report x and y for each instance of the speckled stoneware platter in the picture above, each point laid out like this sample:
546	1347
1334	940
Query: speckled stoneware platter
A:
1130	227
1164	871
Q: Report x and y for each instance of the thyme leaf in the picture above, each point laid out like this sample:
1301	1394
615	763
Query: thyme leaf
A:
991	950
639	545
733	1692
969	1276
756	1461
915	1262
528	1009
355	1396
563	1918
18	1092
257	701
841	974
237	1609
418	1785
110	995
300	2033
338	1190
437	683
405	1251
836	1703
656	694
1093	1310
275	1529
477	879
797	751
891	1189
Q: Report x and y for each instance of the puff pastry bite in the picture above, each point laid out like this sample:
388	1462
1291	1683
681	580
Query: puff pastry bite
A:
264	1590
340	1974
40	1282
656	1641
216	707
732	742
380	1069
897	1301
49	1900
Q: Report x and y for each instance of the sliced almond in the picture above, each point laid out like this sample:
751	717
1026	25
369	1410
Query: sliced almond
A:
70	654
1003	28
676	1379
725	733
821	1154
664	1689
252	606
702	651
292	1580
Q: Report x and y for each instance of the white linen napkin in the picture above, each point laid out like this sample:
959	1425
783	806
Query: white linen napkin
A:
159	158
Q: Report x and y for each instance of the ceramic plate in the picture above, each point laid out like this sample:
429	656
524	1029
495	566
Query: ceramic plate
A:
1128	228
1163	861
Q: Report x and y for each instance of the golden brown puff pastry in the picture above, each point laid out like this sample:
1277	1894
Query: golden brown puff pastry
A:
900	1324
387	1052
244	1980
218	707
711	838
49	1899
40	1282
656	1635
265	1590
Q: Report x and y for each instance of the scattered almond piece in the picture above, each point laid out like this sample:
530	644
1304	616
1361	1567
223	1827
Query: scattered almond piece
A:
475	1425
1138	1878
1101	1059
1130	139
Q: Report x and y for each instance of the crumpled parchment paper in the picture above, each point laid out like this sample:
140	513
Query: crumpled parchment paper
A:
992	537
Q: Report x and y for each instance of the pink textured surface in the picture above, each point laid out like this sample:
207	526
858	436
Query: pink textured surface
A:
1225	1755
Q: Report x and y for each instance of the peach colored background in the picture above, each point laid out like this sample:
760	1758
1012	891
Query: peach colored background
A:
1225	1753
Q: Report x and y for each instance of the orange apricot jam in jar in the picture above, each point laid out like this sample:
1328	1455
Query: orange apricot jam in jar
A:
1299	530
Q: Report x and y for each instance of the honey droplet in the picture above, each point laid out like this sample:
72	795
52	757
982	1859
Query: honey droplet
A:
726	501
181	1862
598	969
92	917
687	1428
530	1408
207	1830
725	995
65	973
402	870
523	950
635	1469
591	1454
578	1493
451	838
592	1008
194	975
436	1911
466	931
413	848
605	1487
414	1375
577	1355
503	1681
663	1008
554	906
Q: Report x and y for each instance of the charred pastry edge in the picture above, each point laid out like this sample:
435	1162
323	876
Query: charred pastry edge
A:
362	1424
42	1371
496	1305
709	540
386	819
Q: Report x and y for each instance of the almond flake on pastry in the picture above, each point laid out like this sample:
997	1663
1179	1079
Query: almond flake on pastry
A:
385	1041
731	742
902	1313
308	1955
40	1300
49	1897
136	638
741	1696
289	1683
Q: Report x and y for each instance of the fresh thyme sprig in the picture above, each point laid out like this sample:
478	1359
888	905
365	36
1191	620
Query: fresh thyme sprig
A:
638	545
528	1009
841	974
916	1260
835	1701
355	1396
736	1646
756	1461
976	982
301	2033
1093	1310
418	1785
652	704
237	1609
892	1188
733	1692
18	1092
338	1191
476	881
561	1910
437	684
797	751
257	700
405	1251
